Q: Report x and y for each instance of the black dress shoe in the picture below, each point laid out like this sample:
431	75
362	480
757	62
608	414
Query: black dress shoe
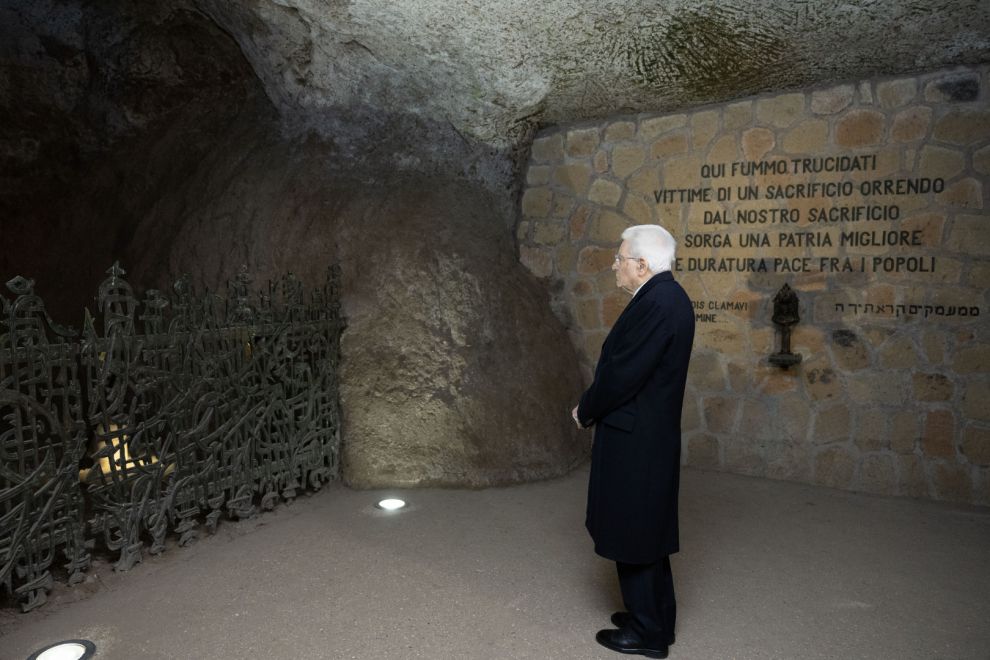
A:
623	619
625	640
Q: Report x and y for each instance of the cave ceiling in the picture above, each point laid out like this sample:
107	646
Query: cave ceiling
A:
493	69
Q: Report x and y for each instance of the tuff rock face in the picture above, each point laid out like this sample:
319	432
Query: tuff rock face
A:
106	111
456	371
494	68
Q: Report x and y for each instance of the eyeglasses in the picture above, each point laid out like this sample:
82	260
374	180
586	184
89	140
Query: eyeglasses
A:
619	258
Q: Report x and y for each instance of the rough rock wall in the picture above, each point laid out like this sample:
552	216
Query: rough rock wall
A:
870	199
142	135
106	108
454	370
493	68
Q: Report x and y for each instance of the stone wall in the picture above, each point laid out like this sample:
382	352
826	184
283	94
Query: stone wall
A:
870	200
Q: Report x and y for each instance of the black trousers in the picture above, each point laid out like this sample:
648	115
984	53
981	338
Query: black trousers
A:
648	594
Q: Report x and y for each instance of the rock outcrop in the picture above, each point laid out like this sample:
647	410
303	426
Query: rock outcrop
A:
455	370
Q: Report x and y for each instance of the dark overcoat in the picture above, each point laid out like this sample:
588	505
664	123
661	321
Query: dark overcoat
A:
635	404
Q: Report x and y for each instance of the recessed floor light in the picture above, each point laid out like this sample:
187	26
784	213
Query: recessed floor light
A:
71	649
391	504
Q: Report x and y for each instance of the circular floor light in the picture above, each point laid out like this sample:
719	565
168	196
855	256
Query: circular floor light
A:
71	649
391	504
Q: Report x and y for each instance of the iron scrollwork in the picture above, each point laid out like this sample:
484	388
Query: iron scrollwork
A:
159	419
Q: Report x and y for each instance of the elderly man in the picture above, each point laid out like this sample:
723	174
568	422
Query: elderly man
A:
634	404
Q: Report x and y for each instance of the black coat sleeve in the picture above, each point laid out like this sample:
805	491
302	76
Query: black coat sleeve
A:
632	357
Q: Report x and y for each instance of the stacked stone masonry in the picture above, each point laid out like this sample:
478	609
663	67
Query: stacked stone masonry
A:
870	199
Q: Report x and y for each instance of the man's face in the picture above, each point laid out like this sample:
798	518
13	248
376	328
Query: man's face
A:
627	270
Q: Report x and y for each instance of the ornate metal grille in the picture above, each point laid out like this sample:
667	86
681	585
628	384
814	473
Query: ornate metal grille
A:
158	419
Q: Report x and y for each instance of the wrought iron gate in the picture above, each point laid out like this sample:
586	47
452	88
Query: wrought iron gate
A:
157	419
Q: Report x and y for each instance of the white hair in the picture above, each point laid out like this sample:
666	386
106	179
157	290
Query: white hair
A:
653	244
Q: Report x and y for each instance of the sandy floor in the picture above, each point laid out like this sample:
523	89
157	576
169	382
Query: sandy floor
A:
767	570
